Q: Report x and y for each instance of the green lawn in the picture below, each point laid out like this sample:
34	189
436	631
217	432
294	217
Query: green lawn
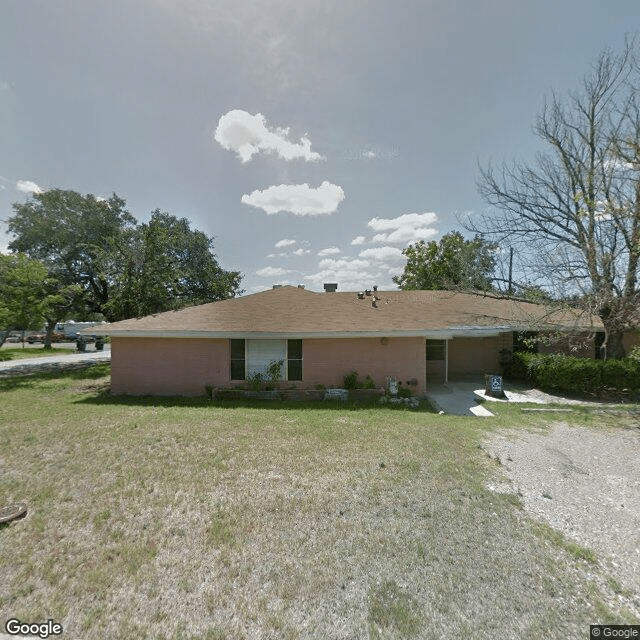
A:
19	353
185	519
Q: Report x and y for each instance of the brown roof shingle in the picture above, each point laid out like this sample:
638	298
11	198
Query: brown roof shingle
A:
292	311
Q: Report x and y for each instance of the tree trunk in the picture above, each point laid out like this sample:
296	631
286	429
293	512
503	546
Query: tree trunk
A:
614	345
51	325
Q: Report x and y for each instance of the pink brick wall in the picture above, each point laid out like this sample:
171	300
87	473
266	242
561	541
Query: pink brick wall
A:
327	361
174	366
476	355
168	366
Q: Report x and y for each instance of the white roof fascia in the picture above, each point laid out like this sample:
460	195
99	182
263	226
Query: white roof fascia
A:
442	334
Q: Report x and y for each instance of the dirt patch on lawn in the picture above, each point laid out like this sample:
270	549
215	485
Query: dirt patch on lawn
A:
584	482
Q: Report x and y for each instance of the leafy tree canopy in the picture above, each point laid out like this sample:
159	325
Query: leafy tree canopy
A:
27	294
169	266
80	238
452	263
113	265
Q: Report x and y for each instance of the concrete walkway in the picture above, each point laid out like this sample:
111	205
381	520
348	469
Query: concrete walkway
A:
32	365
458	399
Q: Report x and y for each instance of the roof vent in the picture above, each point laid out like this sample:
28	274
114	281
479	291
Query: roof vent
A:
300	286
361	295
375	288
367	292
330	287
277	286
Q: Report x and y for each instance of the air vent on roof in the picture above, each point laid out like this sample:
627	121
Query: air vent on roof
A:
330	287
277	286
300	286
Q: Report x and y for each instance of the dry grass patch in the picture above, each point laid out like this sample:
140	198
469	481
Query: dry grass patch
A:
186	519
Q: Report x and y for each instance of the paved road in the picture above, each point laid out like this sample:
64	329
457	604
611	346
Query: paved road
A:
88	356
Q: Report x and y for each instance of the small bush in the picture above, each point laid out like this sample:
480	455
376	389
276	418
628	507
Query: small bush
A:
255	381
274	370
351	381
369	383
404	392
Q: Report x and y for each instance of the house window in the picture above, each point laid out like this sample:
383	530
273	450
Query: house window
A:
294	359
251	357
436	349
237	360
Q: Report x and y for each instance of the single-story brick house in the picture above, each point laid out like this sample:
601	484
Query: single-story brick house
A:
422	337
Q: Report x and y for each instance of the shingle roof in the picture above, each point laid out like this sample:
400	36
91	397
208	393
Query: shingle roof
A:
292	311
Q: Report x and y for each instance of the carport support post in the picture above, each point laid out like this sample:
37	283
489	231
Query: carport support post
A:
446	360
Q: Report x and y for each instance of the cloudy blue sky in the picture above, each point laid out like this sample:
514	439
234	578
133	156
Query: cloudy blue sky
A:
313	139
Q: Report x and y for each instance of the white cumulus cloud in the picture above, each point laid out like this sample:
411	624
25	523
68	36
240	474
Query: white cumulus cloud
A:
405	229
406	235
350	274
272	272
285	242
248	134
382	254
301	252
329	251
338	264
27	186
299	199
358	240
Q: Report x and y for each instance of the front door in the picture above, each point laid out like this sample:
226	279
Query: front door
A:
436	362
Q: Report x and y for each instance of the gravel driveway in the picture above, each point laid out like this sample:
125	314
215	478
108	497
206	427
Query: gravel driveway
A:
584	483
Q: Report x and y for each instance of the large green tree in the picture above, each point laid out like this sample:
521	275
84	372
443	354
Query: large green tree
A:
452	263
26	294
573	213
81	239
168	266
111	264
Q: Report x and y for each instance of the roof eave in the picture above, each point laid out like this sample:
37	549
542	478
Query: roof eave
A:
444	333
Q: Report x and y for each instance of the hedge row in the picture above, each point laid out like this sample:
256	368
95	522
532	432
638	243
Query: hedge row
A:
576	375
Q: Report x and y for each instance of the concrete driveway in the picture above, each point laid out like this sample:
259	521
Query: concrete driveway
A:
34	365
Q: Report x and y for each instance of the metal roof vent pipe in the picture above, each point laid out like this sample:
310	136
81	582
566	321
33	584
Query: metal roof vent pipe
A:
375	288
300	286
330	287
277	286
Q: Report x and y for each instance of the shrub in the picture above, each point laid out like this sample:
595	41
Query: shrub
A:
369	383
255	381
351	381
274	370
516	367
404	392
577	375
